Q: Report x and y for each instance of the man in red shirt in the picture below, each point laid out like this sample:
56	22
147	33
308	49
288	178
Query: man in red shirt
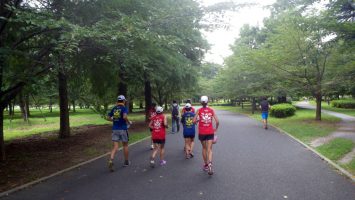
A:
204	117
158	124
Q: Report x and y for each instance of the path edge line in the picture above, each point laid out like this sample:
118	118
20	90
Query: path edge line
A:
332	163
26	185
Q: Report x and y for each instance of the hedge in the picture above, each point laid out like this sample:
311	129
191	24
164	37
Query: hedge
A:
344	103
282	110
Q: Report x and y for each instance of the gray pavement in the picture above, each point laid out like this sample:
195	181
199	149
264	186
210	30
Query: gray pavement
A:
249	162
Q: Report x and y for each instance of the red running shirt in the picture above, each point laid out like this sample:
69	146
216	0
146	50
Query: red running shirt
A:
158	132
152	113
184	110
205	126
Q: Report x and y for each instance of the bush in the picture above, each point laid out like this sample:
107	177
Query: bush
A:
344	103
282	110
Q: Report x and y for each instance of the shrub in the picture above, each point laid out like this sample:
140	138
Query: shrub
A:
282	110
344	103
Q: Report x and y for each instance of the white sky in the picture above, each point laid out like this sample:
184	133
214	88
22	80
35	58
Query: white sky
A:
221	39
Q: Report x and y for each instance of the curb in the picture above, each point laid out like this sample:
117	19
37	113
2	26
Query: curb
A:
21	187
332	163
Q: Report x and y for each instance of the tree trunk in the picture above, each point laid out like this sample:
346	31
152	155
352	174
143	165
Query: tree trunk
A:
27	105
73	103
122	88
130	106
50	105
319	106
141	105
2	142
23	107
147	98
253	106
166	103
64	131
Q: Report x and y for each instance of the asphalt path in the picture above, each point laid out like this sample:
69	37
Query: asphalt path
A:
249	163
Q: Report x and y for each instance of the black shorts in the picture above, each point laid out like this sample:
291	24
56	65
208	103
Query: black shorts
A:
206	137
189	136
159	141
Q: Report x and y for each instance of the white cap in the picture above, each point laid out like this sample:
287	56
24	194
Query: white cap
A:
121	98
204	99
159	109
187	105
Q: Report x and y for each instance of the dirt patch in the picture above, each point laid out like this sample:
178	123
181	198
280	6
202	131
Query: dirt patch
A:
40	155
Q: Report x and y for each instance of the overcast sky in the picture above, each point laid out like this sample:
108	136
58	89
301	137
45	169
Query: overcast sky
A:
221	39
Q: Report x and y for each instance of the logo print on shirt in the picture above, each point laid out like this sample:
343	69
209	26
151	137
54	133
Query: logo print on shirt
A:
157	124
117	114
189	121
206	118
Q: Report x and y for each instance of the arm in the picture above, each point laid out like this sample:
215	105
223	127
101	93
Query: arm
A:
109	116
151	124
125	117
217	121
195	120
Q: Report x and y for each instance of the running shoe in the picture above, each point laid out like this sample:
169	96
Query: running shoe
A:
110	165
210	171
191	155
162	162
126	163
205	167
151	147
152	163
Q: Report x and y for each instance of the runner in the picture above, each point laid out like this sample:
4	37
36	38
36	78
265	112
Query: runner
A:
189	130
204	117
152	113
118	116
158	124
265	107
192	108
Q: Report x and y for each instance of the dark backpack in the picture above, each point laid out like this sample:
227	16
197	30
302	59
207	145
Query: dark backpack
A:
175	112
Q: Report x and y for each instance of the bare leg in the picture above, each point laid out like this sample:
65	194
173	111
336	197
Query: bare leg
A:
155	150
187	148
204	151
162	151
125	150
209	150
114	150
192	145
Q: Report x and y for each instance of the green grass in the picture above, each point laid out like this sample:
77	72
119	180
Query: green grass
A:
350	166
336	148
302	125
39	123
346	111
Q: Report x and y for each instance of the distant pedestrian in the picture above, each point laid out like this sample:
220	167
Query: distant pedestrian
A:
265	107
204	117
188	130
118	116
158	124
175	124
152	113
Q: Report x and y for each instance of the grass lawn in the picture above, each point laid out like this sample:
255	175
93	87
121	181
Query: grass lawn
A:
325	106
302	125
350	166
336	148
46	121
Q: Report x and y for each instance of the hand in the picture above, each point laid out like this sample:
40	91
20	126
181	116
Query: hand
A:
215	130
130	122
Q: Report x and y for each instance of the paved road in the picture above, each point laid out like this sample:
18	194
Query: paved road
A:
250	163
